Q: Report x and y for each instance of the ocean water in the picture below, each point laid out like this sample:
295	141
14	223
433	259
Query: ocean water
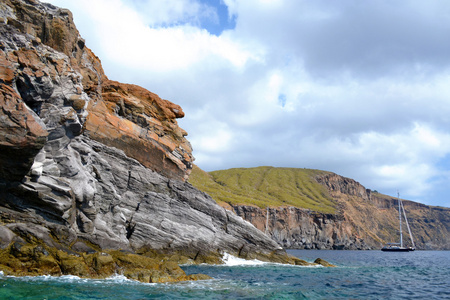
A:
359	275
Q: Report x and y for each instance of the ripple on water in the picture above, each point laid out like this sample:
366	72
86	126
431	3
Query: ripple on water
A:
359	275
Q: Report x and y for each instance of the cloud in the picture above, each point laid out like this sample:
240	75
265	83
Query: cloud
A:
360	89
151	39
173	12
348	36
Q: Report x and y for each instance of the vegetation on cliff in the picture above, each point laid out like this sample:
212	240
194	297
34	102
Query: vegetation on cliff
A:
266	187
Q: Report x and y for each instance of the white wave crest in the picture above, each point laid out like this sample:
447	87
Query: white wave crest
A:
231	260
117	278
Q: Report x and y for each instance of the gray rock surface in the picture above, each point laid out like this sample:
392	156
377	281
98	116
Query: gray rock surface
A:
111	201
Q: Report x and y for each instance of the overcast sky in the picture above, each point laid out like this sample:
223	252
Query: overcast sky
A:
359	88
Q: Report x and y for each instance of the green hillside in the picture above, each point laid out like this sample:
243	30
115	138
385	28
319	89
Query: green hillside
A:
265	186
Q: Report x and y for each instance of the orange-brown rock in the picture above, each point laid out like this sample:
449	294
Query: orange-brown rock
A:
143	125
56	30
22	135
6	69
54	27
124	116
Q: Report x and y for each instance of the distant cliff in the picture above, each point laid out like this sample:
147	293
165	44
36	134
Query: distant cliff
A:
312	209
89	165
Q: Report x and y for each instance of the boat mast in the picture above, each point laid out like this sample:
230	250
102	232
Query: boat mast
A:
400	219
407	225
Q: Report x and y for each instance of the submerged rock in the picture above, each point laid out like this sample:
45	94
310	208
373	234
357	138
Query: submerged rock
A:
323	262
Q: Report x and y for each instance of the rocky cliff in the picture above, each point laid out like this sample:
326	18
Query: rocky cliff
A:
88	164
322	210
298	228
374	216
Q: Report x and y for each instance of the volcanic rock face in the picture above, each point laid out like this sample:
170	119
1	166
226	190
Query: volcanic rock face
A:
87	163
364	220
22	135
45	60
297	228
374	216
143	126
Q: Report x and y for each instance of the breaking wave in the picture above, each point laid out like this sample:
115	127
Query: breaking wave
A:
231	260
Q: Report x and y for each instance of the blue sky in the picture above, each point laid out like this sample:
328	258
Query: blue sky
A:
224	21
359	88
211	15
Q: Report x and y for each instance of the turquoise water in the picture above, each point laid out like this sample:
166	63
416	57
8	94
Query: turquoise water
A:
359	275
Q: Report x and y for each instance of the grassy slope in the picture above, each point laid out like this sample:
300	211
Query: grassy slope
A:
265	186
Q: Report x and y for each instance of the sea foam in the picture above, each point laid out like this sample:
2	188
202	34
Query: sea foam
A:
115	279
231	260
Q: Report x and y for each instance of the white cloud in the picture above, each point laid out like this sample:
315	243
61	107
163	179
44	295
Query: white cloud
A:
403	160
125	37
216	141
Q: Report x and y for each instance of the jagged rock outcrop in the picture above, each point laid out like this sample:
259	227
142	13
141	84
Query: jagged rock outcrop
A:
363	220
89	164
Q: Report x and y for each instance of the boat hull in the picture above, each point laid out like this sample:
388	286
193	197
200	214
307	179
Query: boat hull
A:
396	249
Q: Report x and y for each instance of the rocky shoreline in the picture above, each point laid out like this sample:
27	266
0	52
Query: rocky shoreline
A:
21	258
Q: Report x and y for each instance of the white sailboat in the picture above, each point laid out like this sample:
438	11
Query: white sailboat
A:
398	247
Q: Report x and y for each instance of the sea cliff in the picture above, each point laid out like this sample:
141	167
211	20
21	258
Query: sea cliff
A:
93	171
313	209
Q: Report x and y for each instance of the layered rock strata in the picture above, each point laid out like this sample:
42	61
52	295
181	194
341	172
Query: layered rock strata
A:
364	220
89	165
374	216
44	59
298	228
